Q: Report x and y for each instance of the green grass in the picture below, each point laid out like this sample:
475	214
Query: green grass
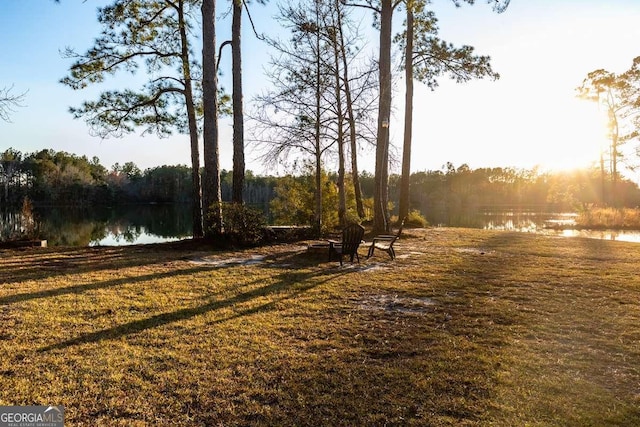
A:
465	328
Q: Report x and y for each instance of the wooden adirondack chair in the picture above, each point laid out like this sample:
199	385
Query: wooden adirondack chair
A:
348	245
384	242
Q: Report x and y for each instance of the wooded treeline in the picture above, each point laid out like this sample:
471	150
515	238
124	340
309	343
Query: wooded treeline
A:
325	89
329	96
51	177
465	188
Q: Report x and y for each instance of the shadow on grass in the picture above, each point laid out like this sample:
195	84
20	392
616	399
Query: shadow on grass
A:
283	260
18	266
546	305
85	287
289	283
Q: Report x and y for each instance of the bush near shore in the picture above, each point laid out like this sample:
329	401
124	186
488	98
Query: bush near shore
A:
465	327
609	218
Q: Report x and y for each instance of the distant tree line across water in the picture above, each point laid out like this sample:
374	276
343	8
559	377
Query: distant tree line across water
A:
51	177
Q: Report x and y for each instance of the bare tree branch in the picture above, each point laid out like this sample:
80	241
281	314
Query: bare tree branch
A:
9	101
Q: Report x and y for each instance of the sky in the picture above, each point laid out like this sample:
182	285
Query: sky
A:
530	117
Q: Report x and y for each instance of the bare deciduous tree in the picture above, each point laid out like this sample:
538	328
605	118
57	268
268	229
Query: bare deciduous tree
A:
9	101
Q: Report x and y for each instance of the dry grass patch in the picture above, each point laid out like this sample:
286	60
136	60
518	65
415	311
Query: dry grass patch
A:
466	327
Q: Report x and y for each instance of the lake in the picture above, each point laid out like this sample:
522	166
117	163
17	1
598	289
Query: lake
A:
142	224
124	225
528	221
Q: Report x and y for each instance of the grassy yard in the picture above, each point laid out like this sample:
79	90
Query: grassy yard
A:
465	328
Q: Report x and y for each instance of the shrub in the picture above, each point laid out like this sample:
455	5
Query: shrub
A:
415	220
596	217
294	203
242	225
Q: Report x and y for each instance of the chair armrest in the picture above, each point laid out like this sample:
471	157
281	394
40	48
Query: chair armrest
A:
383	239
334	244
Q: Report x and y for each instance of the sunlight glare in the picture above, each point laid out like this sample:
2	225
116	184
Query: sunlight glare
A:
580	135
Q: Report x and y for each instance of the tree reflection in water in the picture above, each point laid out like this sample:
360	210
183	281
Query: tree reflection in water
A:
141	224
114	226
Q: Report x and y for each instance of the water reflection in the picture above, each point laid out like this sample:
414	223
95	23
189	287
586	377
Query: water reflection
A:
117	226
143	224
143	237
622	236
12	225
528	221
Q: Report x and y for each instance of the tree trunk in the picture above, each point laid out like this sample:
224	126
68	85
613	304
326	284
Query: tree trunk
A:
381	179
614	172
403	208
615	132
238	114
6	194
355	177
342	198
317	220
318	214
193	128
212	198
603	191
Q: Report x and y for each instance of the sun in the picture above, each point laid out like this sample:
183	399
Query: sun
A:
575	137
